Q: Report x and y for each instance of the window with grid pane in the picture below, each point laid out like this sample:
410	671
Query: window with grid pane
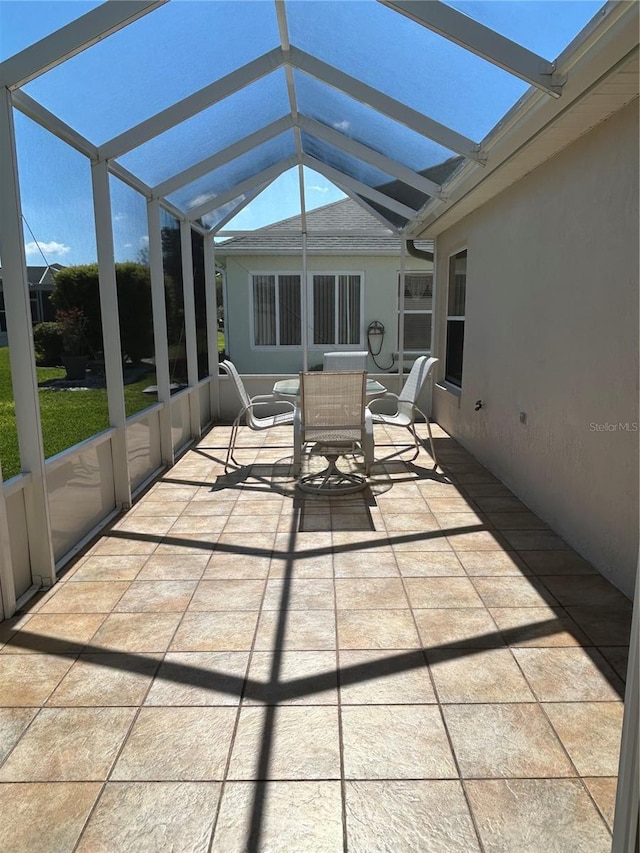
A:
417	312
456	300
336	301
276	310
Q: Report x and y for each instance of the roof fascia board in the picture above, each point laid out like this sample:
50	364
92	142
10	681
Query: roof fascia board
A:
263	233
347	251
360	91
368	155
35	111
603	44
189	106
483	41
68	41
341	179
266	176
231	152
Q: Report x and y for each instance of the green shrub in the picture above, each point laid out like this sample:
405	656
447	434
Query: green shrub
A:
77	287
134	304
47	341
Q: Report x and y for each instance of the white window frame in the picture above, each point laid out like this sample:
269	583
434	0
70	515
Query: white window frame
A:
402	314
334	346
463	317
276	274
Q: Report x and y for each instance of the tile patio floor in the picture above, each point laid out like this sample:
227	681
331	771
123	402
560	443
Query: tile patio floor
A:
422	666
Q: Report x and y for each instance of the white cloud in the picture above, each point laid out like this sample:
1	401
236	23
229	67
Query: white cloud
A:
343	125
318	189
50	248
118	217
144	240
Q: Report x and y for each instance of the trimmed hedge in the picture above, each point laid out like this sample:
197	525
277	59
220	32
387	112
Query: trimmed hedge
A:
77	287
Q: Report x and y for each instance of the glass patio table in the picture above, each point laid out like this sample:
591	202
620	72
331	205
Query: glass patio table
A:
289	389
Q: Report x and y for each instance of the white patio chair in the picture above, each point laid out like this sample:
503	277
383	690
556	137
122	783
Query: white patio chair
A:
332	417
341	361
406	409
249	404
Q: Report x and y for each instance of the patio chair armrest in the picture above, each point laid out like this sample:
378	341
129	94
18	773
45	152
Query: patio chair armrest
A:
265	398
269	399
387	395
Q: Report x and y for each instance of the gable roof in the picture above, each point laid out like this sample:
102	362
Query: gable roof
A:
343	227
40	275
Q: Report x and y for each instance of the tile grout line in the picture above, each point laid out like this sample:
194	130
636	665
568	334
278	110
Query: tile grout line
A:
139	706
442	718
541	704
343	781
134	719
252	649
240	701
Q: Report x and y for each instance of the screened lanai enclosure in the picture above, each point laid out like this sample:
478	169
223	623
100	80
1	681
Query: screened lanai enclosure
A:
191	110
144	135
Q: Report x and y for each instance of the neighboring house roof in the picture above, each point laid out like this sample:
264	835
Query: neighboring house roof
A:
42	275
355	232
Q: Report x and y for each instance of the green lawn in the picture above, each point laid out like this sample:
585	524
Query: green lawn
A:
67	416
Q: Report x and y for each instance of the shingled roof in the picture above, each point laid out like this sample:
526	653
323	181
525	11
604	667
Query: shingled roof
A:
356	232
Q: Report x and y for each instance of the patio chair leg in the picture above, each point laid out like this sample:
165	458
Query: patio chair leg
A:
428	423
433	452
368	450
416	441
297	452
232	444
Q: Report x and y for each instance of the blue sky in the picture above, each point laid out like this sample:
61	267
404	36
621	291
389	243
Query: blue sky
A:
86	92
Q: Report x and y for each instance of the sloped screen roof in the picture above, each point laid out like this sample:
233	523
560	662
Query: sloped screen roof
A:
206	103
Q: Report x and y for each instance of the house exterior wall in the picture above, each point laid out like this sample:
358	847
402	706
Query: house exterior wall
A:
552	330
380	276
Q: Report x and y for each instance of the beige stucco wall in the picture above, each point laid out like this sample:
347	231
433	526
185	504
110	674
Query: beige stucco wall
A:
552	330
380	276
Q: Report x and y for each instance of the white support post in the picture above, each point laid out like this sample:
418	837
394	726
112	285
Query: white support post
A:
362	152
443	135
192	104
212	323
247	198
221	158
371	193
264	177
23	367
159	310
305	296
111	331
7	581
625	825
403	261
190	326
436	314
71	39
483	41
